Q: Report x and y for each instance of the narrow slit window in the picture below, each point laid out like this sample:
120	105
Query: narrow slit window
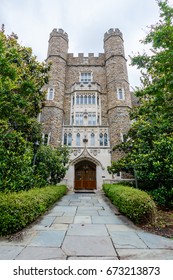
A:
50	95
120	93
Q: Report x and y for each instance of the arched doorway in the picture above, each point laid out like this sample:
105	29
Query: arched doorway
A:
85	175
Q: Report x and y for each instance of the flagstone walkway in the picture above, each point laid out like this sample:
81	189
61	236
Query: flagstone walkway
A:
85	226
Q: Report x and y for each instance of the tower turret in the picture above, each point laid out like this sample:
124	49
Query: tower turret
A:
53	111
118	94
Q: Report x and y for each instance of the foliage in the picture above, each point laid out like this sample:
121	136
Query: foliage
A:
15	165
50	165
134	203
149	149
163	197
20	209
22	78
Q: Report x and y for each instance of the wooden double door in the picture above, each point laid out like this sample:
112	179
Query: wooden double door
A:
85	176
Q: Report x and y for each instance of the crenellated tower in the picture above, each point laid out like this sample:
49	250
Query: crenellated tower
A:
118	93
53	112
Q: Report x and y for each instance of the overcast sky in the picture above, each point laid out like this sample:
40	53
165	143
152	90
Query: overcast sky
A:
84	21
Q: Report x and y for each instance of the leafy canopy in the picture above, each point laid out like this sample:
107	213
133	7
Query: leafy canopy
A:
22	79
149	149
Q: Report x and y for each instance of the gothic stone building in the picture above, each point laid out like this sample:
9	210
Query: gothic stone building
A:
87	107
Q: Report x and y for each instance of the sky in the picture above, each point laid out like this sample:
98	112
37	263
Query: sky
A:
84	21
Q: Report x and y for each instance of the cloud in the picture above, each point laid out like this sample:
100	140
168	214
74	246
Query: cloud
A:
84	21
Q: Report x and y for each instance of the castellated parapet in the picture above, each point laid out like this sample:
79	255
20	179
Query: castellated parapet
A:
113	32
59	32
82	59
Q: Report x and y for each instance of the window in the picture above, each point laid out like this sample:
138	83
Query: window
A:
67	139
91	119
46	139
105	139
81	99
92	139
50	95
77	139
89	99
85	99
79	119
77	99
120	93
93	99
101	139
124	137
85	78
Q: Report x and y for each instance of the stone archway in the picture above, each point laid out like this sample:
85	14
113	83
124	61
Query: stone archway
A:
85	175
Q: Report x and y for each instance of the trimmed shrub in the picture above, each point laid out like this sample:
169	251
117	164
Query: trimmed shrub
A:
20	209
135	204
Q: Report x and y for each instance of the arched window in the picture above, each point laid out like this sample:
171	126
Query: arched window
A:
77	139
69	139
93	99
89	99
46	139
85	99
105	139
81	99
50	95
101	139
120	93
65	138
92	139
77	99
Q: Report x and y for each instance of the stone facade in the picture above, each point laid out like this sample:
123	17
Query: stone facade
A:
87	106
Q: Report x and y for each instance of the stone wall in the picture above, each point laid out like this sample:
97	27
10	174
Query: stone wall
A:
51	119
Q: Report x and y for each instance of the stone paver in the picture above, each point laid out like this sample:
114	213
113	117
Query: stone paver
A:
85	226
88	246
87	230
41	253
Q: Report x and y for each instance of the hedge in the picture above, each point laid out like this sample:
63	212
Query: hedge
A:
133	203
17	210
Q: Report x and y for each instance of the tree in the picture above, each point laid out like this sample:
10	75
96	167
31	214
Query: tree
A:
149	149
51	164
16	156
22	78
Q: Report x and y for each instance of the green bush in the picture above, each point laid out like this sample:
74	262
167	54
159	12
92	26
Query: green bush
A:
20	209
163	197
135	204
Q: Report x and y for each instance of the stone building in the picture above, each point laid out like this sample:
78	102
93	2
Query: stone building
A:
87	107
